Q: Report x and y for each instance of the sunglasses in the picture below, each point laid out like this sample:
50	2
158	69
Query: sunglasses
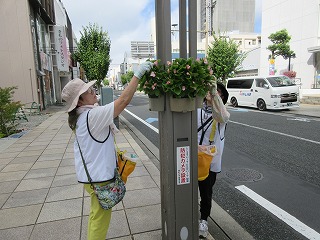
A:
91	90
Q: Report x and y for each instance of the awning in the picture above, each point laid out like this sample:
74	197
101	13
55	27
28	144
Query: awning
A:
313	49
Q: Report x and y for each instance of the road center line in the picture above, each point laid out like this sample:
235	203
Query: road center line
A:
283	134
141	120
281	214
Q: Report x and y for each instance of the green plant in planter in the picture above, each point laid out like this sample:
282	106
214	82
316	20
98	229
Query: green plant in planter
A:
188	78
152	82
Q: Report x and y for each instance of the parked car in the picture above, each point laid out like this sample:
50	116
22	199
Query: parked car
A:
270	92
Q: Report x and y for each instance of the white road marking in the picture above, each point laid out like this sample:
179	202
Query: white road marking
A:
283	134
281	214
144	122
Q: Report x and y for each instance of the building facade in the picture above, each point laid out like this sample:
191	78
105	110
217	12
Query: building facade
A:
28	50
302	23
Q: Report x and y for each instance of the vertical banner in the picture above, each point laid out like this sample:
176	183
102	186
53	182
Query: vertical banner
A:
183	165
271	66
61	47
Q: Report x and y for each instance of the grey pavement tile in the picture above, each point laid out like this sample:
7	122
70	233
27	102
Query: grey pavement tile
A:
46	164
118	225
34	183
39	173
143	219
11	176
60	210
66	170
56	146
5	161
139	171
25	198
30	159
18	233
3	198
68	229
63	180
5	155
14	148
19	216
2	167
143	197
8	187
152	169
17	167
27	153
156	179
65	192
36	148
54	151
140	183
68	155
153	235
67	162
50	157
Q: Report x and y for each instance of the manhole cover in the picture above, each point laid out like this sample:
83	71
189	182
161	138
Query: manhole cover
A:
244	175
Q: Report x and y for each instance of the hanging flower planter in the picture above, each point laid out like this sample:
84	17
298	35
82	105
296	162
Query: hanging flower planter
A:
156	103
182	104
199	101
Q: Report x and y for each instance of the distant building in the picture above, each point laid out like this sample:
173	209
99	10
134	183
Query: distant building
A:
225	16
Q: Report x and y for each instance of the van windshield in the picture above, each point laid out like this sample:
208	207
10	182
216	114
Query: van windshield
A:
280	81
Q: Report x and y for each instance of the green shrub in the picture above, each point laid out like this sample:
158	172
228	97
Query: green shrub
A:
8	109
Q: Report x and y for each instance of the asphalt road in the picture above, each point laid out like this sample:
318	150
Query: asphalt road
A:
270	183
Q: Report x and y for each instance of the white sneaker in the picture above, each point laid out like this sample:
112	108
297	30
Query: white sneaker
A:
203	228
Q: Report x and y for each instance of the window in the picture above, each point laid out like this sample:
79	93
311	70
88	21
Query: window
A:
260	82
240	83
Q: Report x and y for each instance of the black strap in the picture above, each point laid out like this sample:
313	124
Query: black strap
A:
205	123
84	164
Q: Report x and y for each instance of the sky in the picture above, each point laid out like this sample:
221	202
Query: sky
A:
123	20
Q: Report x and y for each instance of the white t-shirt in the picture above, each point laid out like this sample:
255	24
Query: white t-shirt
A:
95	135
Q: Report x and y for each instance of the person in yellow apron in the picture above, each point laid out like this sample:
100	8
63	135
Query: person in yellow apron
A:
212	122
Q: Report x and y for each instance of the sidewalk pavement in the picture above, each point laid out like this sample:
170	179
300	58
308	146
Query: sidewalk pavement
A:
40	197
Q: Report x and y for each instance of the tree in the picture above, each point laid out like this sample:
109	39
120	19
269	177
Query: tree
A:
125	78
93	53
280	46
224	57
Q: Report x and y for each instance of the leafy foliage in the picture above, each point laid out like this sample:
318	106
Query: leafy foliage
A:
125	78
93	52
152	83
224	57
182	78
280	46
8	109
189	78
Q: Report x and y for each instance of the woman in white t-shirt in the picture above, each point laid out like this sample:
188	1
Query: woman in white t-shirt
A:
212	122
94	128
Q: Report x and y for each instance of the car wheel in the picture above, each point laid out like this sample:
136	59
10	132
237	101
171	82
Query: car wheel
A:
234	102
261	105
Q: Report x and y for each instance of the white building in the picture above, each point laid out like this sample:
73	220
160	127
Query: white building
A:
301	19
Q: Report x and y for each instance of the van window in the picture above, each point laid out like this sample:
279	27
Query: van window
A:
260	82
280	81
240	83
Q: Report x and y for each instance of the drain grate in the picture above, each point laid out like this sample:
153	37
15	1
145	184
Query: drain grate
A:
244	175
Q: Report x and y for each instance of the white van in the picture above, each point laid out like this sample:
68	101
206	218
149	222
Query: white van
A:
271	92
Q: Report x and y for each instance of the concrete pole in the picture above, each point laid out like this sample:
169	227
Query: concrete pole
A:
178	133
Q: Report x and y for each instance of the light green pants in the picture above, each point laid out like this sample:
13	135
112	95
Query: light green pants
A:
99	219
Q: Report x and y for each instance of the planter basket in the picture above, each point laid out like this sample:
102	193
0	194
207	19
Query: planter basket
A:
182	104
157	103
199	101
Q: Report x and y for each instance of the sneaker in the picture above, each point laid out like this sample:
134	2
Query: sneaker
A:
203	228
